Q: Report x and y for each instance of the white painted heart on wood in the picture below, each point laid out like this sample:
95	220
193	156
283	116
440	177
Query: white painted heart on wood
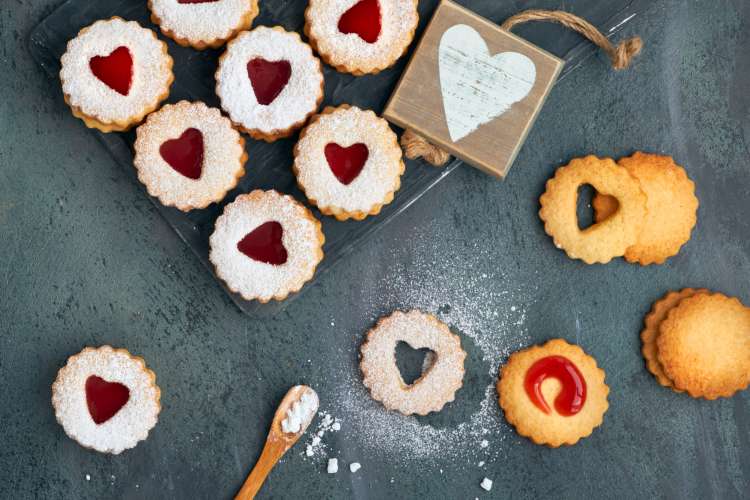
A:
476	86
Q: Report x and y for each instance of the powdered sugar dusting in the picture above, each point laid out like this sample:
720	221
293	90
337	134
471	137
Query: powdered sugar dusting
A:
398	21
301	239
380	175
204	22
151	70
298	99
437	385
222	153
491	322
130	424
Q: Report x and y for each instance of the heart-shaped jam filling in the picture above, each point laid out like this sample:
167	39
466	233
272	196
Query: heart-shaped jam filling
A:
346	163
185	154
115	70
264	244
363	19
105	399
268	78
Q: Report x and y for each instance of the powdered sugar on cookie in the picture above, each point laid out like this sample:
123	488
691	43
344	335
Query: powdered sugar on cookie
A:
205	21
152	70
223	155
379	177
130	424
299	97
302	240
437	385
348	51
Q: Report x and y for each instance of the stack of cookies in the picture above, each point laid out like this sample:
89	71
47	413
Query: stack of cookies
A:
698	342
645	208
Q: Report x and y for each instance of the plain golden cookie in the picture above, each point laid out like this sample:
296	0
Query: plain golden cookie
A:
650	332
600	242
704	345
671	207
551	429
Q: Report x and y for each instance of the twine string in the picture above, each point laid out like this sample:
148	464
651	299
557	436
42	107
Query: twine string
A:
621	55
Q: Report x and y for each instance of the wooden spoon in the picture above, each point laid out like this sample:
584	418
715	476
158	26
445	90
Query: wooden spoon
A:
277	442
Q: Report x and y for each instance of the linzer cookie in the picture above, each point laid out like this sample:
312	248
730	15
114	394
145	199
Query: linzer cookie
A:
348	162
650	332
361	36
671	207
604	240
703	345
188	155
266	245
269	82
114	73
439	381
106	399
553	394
202	23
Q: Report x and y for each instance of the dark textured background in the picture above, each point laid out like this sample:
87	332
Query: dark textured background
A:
87	260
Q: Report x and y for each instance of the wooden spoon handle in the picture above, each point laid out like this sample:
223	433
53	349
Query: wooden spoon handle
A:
272	452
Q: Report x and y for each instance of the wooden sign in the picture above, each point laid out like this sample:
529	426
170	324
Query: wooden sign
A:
473	89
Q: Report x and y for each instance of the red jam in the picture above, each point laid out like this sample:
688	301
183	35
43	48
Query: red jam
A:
264	244
105	399
363	18
268	78
572	396
115	70
185	154
346	163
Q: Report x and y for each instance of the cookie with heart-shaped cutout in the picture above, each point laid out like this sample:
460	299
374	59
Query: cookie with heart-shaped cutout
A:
266	245
269	82
348	162
114	73
440	380
203	24
361	36
106	399
189	155
608	238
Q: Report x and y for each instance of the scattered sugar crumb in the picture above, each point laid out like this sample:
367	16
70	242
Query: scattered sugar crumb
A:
484	443
333	466
486	484
88	477
316	446
481	463
355	466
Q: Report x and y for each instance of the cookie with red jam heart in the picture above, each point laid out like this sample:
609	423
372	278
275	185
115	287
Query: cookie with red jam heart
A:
348	162
114	73
189	155
106	399
266	245
361	36
201	24
269	82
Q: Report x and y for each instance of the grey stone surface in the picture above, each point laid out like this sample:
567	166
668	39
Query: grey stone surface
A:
86	260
